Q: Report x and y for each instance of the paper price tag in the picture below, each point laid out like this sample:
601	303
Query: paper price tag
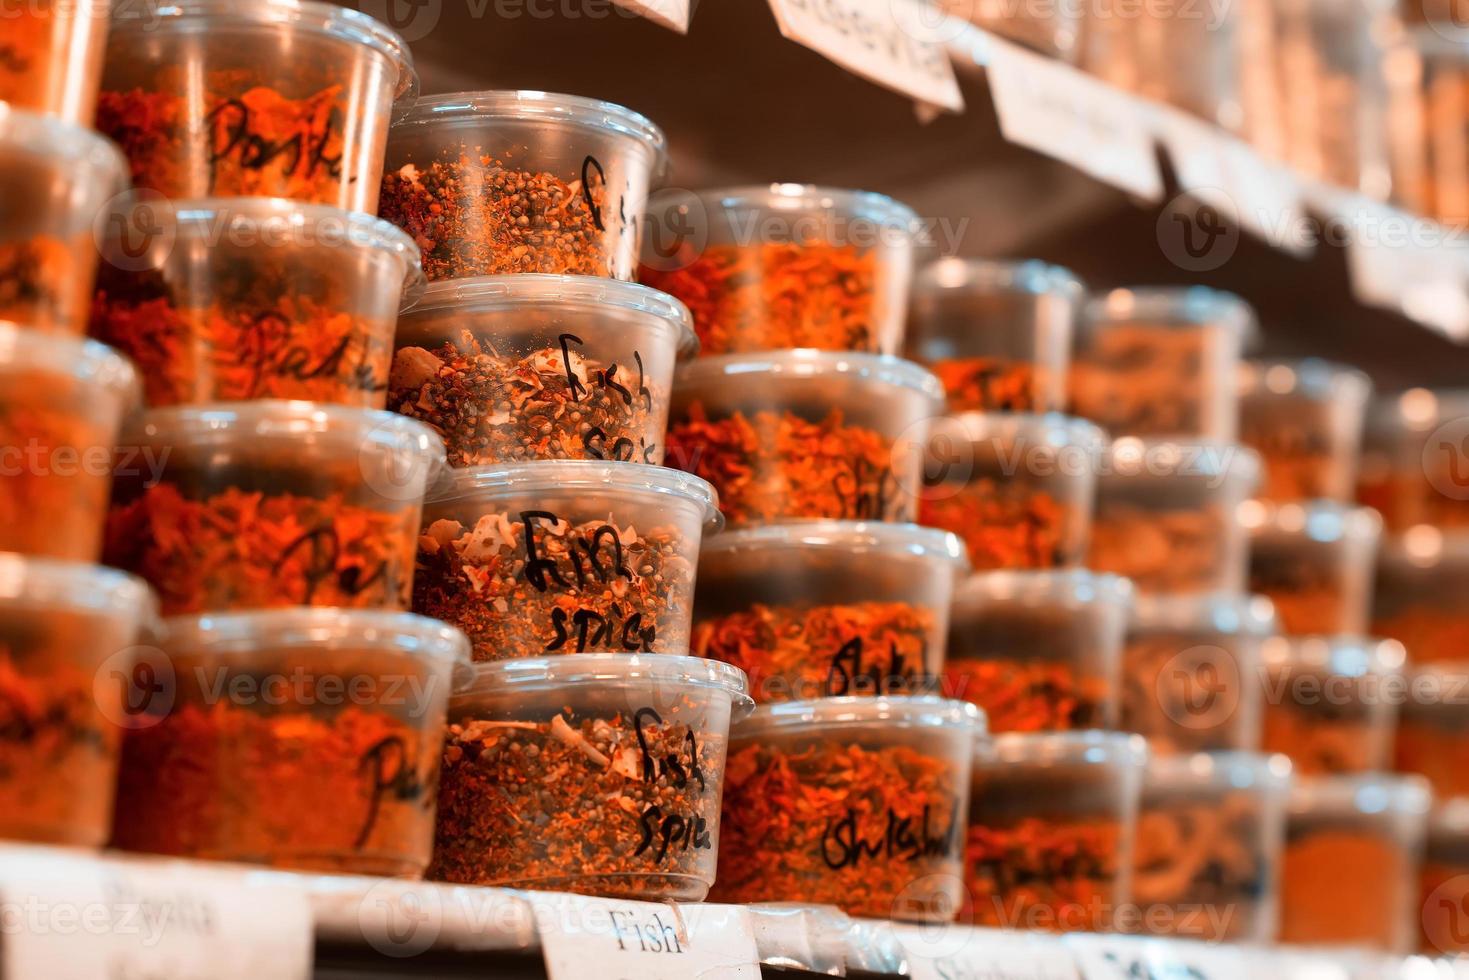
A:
617	940
672	14
1131	958
957	953
899	44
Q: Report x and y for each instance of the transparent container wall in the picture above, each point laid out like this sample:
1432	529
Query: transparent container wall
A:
1316	564
1414	468
1050	29
1430	103
222	104
1306	422
1329	724
1433	728
605	787
52	57
1422	578
1444	881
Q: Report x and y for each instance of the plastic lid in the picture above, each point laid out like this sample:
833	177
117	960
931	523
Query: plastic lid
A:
623	479
323	18
1052	430
317	628
582	293
1425	546
1422	409
1028	276
541	673
49	137
854	537
1068	587
1226	613
860	205
1311	376
1368	794
882	369
1451	817
74	585
1319	520
85	360
880	714
1065	748
1221	770
1343	656
1167	459
1162	306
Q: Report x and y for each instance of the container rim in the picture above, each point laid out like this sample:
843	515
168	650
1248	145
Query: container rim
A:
1030	277
1269	770
854	537
537	673
888	713
1049	748
1078	585
1450	816
882	369
482	293
1177	305
1319	520
779	196
1053	429
1420	409
1424	547
317	628
85	360
322	18
47	136
1227	613
1132	457
1369	794
1340	655
1311	376
75	585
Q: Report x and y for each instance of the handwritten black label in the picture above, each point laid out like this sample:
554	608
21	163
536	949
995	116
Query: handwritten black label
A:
591	166
301	154
663	829
867	492
851	672
268	352
13	60
390	776
592	630
320	550
843	846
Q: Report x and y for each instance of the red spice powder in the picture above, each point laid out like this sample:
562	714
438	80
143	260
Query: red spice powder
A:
776	296
251	550
993	384
1042	874
794	652
1004	525
777	465
1029	695
55	475
45	282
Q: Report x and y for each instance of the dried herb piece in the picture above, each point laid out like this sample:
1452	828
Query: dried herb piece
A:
1344	886
55	466
1029	695
479	215
792	652
777	296
834	823
778	465
1166	551
626	805
1005	524
992	384
1045	874
238	549
525	584
1144	380
555	403
45	282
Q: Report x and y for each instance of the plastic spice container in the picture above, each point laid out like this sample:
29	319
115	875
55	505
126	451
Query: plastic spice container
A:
1018	489
62	402
1051	825
828	608
1040	651
1414	469
1433	727
859	803
298	738
594	773
56	179
501	182
1445	880
1316	562
64	627
239	299
1191	671
1166	515
1161	362
51	59
513	368
805	434
1352	858
785	266
251	505
564	556
1422	579
1430	148
1305	418
1209	841
998	334
276	98
1048	28
1332	702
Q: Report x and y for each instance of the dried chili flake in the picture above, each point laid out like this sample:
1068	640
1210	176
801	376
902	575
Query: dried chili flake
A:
525	584
778	465
792	652
1342	885
348	791
554	403
45	282
478	215
777	296
1045	874
1003	524
55	465
833	823
992	384
1029	695
239	549
625	805
1164	551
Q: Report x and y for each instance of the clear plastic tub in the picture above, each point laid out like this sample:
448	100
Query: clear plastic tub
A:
1161	362
859	803
1018	489
1332	701
274	98
998	334
593	773
306	739
51	59
805	434
1050	29
784	266
239	299
253	505
1422	579
1431	147
502	182
1191	671
564	556
62	403
828	608
514	368
1209	842
1353	850
1413	466
1316	562
1166	515
1052	819
1444	881
1040	651
56	179
1433	727
1305	419
63	625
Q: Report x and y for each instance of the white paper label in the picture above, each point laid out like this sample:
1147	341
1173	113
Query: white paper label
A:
895	43
958	953
68	918
673	14
1068	115
1407	264
1131	958
617	940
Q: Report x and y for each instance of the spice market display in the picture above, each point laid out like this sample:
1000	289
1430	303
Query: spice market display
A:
389	502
